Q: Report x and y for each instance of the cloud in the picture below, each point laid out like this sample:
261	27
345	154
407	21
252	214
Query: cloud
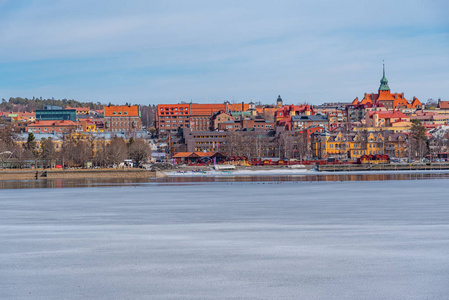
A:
159	51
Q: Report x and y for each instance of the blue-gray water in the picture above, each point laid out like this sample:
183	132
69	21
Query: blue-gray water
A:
227	240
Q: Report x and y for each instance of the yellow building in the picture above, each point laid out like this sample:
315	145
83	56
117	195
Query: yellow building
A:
356	144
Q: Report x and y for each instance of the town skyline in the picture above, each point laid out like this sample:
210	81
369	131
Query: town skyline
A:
150	53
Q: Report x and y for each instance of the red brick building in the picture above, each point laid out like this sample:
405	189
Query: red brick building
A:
172	117
249	124
122	118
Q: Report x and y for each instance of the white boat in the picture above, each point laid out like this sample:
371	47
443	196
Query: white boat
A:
296	167
223	167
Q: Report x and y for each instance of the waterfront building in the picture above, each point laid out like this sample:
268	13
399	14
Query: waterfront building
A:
198	157
384	97
122	118
353	145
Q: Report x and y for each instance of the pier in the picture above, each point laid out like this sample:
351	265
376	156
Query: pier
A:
382	167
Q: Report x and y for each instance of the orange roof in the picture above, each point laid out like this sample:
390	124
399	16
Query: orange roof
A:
122	111
237	107
193	154
416	103
386	114
205	109
182	154
204	154
443	104
40	123
398	99
209	109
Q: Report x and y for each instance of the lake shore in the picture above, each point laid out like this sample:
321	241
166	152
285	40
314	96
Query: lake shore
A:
75	174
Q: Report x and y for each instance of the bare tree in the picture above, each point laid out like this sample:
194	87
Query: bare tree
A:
139	151
302	145
418	140
101	153
76	151
48	152
117	151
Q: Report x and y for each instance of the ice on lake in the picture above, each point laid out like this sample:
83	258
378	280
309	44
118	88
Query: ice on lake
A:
227	240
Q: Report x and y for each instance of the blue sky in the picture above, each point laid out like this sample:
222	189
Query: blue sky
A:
150	52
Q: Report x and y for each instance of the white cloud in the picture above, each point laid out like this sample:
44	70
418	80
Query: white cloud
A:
321	50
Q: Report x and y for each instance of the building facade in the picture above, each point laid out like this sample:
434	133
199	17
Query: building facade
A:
122	118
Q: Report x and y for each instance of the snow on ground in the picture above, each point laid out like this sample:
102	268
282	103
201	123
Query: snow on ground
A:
228	240
287	171
248	172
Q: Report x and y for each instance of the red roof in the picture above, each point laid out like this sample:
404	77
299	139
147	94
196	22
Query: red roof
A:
41	123
443	104
193	154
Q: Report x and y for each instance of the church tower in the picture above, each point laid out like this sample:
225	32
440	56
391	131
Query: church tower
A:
384	82
279	102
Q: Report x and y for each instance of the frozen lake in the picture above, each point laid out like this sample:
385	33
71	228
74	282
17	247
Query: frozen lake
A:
385	239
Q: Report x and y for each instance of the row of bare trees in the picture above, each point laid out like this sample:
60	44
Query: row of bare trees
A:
72	151
259	144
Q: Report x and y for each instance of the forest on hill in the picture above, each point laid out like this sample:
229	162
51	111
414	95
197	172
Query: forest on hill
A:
25	104
18	104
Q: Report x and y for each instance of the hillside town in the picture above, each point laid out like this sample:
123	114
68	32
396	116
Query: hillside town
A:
384	125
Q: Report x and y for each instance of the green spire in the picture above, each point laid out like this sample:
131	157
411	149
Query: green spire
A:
384	82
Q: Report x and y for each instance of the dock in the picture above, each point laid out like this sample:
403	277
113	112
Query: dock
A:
383	167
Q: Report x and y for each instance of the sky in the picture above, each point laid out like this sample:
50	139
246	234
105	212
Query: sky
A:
150	52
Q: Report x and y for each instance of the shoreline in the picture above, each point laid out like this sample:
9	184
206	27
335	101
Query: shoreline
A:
185	171
75	174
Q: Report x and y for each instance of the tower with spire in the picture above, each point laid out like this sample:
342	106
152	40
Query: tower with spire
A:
384	81
384	98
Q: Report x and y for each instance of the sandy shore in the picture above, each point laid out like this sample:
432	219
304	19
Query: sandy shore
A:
75	174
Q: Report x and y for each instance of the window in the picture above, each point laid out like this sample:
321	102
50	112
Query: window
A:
114	113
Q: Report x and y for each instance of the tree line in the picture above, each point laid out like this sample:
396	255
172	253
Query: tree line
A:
28	105
73	151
